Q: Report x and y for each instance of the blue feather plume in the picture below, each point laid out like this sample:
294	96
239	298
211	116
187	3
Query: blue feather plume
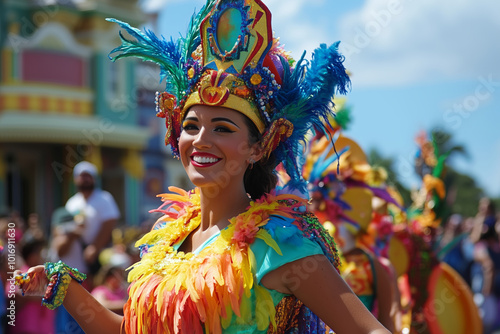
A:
305	99
147	46
323	163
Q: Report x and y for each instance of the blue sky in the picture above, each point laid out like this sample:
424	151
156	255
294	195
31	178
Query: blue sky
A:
416	65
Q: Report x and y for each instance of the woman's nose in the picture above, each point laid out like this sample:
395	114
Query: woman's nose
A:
202	138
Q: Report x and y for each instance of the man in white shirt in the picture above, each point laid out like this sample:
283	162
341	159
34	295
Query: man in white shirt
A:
81	230
84	227
98	211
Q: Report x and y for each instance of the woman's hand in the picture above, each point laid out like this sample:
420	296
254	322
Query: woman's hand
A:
90	315
33	282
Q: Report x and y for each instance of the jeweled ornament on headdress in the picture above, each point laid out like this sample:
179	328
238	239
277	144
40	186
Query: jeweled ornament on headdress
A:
238	70
235	35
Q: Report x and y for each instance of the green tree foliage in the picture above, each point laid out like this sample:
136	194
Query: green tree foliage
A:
463	194
444	144
497	204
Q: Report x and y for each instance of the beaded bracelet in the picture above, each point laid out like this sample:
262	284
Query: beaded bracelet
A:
59	275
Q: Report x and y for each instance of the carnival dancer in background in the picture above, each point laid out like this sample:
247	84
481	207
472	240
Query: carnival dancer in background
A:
342	199
438	298
231	255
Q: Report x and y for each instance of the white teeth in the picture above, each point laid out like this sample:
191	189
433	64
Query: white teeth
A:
204	160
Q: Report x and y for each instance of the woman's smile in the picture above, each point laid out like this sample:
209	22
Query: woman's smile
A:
199	159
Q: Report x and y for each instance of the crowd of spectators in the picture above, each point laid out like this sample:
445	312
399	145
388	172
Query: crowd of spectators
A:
470	245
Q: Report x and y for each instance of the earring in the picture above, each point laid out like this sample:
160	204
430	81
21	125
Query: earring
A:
251	161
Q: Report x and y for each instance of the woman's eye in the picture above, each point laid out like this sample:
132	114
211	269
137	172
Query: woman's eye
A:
223	129
187	127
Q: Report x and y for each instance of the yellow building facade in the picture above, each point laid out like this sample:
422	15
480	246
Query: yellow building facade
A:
62	101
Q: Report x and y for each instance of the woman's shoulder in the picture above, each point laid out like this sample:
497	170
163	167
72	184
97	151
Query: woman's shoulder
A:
290	224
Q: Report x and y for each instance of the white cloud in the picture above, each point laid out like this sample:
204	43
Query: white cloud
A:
406	41
151	6
298	30
290	10
392	42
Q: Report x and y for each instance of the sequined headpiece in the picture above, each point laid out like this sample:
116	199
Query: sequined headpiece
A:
230	59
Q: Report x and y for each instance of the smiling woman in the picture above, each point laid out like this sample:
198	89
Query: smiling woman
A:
234	254
215	148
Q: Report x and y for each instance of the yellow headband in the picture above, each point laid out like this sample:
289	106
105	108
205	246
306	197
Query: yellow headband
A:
230	92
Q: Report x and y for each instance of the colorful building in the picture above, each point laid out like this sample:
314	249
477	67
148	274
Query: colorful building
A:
62	101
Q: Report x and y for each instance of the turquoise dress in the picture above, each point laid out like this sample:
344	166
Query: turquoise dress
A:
294	245
172	289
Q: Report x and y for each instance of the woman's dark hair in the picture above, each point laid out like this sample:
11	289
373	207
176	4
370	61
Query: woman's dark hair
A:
260	178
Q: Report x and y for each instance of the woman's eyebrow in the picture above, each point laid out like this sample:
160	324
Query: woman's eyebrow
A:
192	118
223	119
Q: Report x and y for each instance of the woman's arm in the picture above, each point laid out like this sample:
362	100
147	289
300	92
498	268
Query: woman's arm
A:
318	285
90	315
114	305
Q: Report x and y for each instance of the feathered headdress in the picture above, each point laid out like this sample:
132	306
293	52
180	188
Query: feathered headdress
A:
345	196
229	58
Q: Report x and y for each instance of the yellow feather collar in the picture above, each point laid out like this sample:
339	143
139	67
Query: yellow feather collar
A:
176	292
